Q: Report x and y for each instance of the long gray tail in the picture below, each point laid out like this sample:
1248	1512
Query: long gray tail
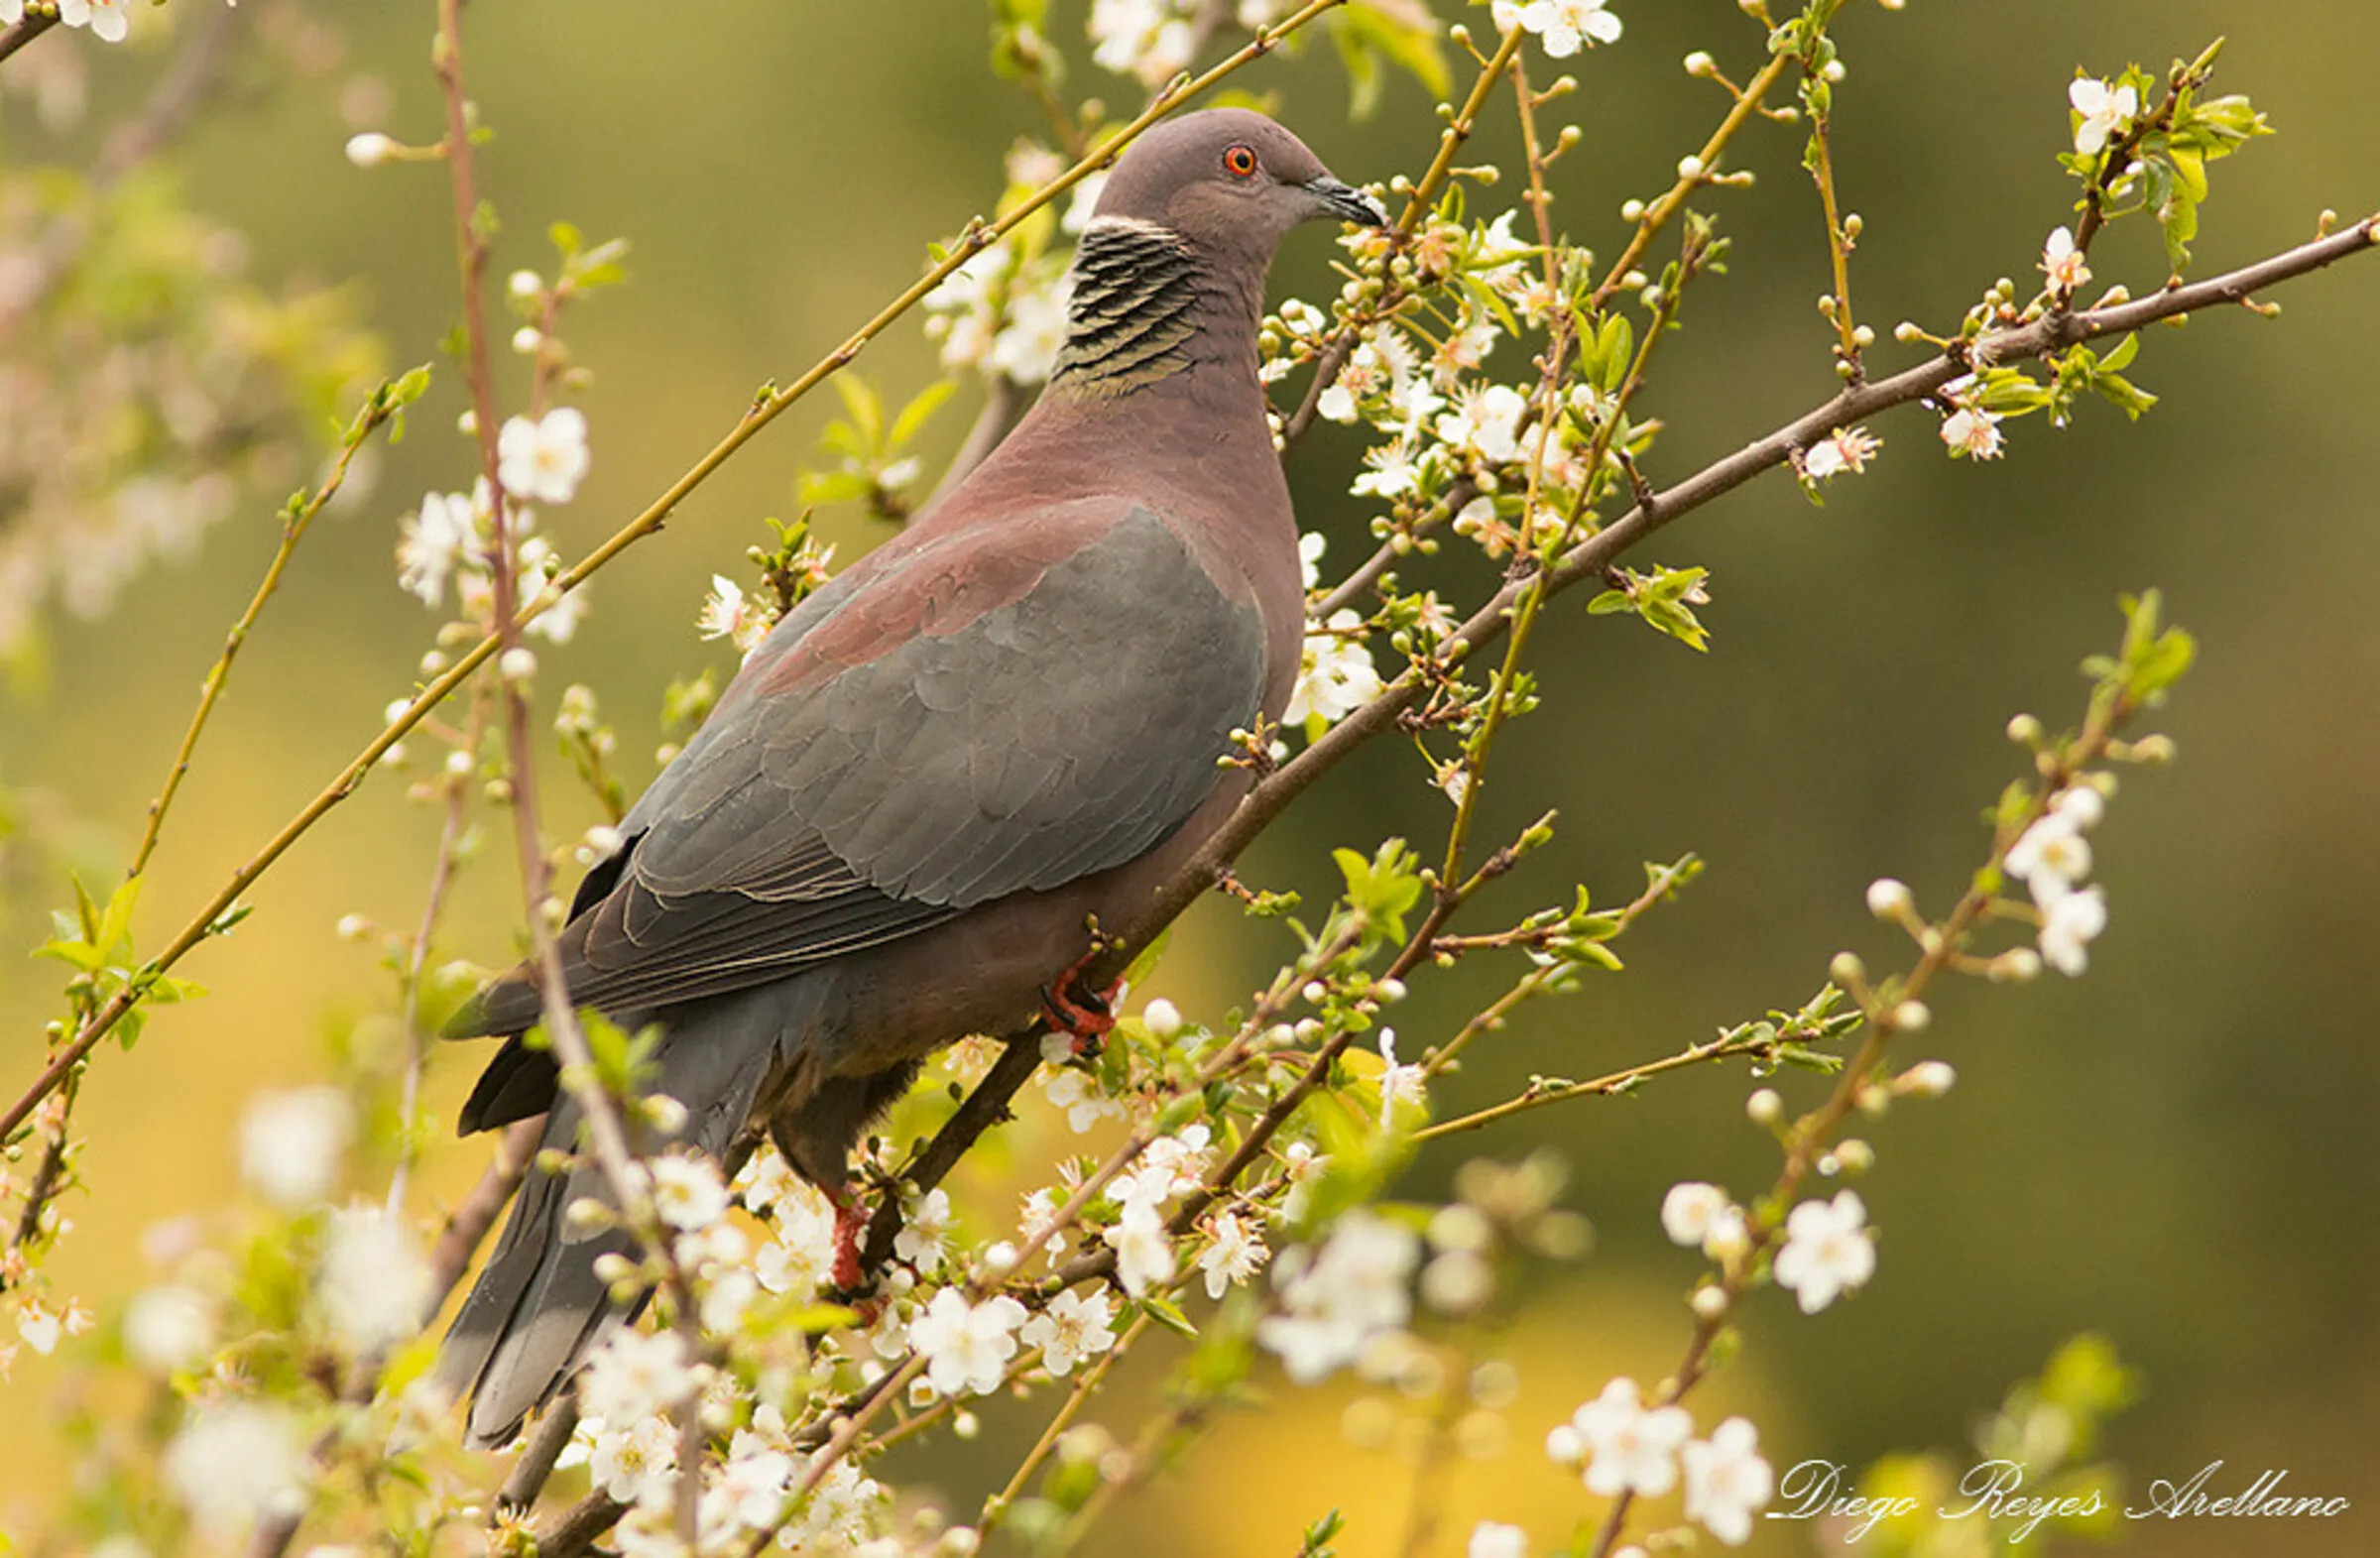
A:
538	1307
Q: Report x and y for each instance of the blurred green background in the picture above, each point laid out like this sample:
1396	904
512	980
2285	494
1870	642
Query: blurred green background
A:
2178	1149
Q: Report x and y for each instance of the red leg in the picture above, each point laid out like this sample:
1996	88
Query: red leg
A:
1085	1021
851	1221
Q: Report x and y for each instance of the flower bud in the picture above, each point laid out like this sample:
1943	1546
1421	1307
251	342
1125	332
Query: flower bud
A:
371	149
1889	898
1929	1078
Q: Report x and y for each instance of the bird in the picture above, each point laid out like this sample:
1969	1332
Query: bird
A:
1002	727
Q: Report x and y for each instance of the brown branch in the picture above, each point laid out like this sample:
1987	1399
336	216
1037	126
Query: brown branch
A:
985	1107
23	30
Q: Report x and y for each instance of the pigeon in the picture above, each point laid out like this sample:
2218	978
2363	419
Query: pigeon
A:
1005	725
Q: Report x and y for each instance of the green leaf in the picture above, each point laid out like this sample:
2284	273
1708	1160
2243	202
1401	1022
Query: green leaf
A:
1167	1314
866	410
913	416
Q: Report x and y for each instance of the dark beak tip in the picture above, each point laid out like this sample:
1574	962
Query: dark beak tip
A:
1347	203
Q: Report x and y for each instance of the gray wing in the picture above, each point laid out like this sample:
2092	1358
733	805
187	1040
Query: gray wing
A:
970	723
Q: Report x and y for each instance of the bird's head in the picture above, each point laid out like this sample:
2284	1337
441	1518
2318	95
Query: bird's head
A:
1230	182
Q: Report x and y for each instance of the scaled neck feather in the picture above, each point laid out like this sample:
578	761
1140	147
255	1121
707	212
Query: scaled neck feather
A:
1136	314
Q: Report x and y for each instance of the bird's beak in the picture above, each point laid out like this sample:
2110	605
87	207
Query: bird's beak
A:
1346	202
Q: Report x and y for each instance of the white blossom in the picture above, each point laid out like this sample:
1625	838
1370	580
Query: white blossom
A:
1072	1328
1182	1159
2103	112
2071	921
1235	1254
801	1258
2062	262
1337	676
1631	1448
1492	1540
374	1284
1391	474
960	310
1844	449
168	1328
1826	1250
2050	856
1027	345
1726	1481
1691	1210
924	1227
1399	1084
687	1192
1078	1095
636	1464
430	540
1310	548
1342	1297
291	1142
1486	421
107	18
1143	1250
2081	804
728	1291
636	1373
545	459
967	1347
237	1462
1161	1016
1971	433
1463	350
841	1514
1564	27
1148	40
42	1327
728	613
1301	1168
753	1482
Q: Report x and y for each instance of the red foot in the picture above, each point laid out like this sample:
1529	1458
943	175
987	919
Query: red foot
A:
851	1221
1086	1020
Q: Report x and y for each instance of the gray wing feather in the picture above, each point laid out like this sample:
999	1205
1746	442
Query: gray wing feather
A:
1048	738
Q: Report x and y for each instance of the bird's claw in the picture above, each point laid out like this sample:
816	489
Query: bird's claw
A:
1083	1016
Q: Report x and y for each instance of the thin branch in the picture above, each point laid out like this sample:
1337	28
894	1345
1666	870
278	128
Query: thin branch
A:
293	525
23	30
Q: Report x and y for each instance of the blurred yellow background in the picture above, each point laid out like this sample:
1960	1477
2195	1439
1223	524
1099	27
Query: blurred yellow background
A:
2178	1149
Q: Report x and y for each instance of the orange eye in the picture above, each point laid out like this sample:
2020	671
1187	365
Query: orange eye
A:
1241	161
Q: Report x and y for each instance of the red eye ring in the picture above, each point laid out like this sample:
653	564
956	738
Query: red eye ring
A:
1239	162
